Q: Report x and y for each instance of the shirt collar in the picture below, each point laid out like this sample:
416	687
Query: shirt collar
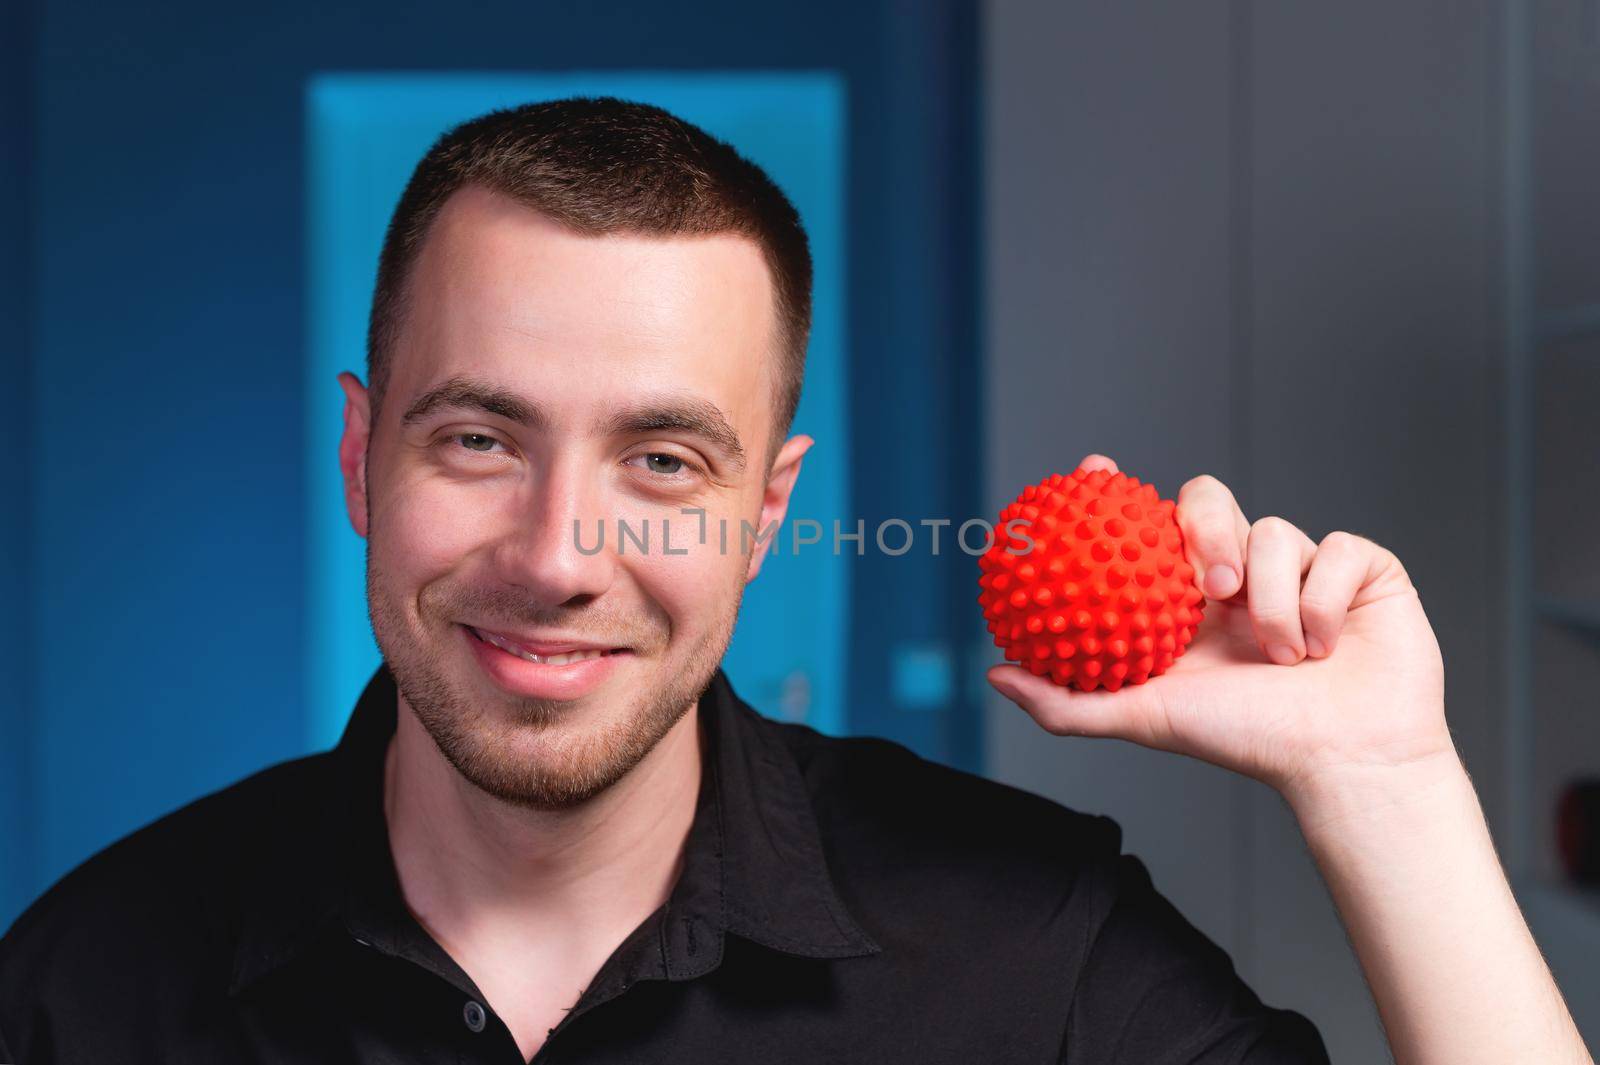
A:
753	865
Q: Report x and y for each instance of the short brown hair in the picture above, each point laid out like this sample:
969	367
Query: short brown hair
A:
603	165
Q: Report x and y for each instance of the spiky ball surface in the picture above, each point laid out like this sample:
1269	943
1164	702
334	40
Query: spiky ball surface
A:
1103	597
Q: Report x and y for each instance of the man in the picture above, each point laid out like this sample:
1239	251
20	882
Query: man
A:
552	832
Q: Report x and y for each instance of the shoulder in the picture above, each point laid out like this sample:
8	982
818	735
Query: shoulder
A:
880	781
976	873
879	801
960	878
161	901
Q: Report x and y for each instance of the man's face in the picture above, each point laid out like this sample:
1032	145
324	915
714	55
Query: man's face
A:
549	385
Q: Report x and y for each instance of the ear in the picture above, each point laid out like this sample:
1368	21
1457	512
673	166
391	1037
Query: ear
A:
775	499
353	449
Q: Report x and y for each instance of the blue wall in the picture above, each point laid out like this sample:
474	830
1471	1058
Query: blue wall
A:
16	108
154	523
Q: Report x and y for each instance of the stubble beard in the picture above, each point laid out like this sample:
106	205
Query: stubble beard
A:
581	751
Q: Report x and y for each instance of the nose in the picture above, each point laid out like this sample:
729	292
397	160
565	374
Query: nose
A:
550	547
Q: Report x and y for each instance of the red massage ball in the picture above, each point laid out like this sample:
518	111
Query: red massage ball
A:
1086	581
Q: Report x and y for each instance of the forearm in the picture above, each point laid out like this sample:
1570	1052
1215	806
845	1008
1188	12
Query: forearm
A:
1409	861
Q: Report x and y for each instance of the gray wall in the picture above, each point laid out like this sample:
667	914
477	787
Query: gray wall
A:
1258	241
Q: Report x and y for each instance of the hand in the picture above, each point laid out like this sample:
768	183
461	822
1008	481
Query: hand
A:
1245	695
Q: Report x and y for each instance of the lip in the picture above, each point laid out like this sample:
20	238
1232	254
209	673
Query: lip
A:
543	680
538	646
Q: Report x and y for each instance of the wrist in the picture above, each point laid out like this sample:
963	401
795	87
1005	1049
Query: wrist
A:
1345	797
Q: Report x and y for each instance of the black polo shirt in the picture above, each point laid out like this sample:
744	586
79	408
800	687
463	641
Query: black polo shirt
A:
841	900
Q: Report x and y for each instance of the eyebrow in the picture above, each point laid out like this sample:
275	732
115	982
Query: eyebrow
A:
463	393
684	414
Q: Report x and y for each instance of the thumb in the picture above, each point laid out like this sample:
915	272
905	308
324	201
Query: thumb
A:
1132	712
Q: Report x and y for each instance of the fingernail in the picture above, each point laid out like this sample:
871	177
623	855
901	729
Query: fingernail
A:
1314	647
1282	654
1220	580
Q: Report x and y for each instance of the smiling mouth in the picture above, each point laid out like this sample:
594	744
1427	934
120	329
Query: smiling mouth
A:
563	659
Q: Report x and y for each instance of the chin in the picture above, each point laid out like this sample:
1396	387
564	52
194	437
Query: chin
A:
554	756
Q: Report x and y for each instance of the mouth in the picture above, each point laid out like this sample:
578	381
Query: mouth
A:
546	655
544	669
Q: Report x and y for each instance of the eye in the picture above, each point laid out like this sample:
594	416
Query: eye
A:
661	462
666	465
479	442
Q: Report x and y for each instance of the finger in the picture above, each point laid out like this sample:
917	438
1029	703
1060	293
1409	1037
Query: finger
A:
1277	557
1214	534
1130	713
1341	567
1097	462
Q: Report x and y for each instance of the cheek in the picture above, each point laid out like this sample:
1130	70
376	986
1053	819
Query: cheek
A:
696	586
425	530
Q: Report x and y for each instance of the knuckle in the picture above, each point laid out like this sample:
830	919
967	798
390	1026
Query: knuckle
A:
1271	525
1393	560
1204	482
1341	542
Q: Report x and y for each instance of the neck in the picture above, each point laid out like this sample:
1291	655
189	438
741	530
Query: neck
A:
473	868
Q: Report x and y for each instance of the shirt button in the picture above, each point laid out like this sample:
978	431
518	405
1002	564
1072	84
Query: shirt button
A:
472	1013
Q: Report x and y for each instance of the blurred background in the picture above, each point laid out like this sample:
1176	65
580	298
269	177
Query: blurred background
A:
1345	257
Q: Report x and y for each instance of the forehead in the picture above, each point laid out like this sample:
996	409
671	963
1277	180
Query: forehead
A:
502	291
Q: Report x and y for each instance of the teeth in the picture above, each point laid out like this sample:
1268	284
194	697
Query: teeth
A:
528	656
561	660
